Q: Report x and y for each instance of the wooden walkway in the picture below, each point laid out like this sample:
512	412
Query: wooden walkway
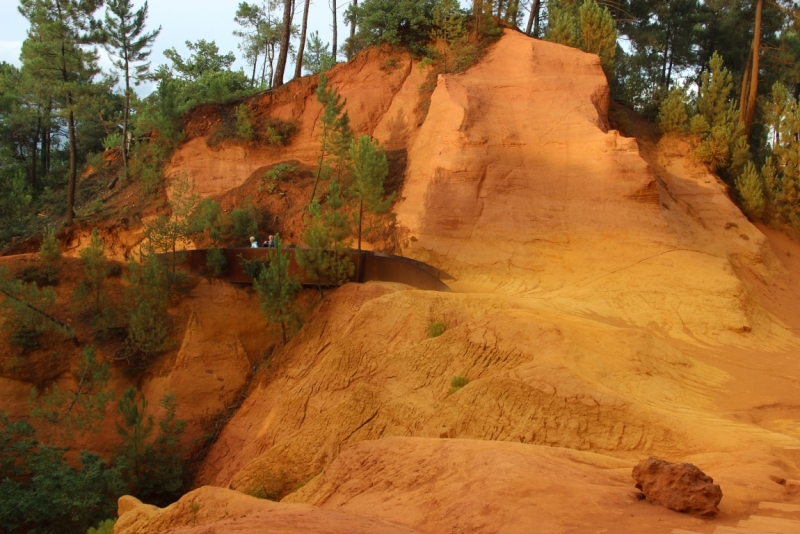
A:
772	518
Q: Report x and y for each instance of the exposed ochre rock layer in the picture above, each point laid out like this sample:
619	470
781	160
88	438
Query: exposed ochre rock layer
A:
610	303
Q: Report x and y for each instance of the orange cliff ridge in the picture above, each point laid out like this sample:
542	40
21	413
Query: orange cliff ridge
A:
610	303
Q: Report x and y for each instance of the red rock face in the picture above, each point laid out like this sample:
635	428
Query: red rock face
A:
680	487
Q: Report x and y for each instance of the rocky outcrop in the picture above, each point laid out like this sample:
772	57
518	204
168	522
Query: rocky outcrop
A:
210	510
681	487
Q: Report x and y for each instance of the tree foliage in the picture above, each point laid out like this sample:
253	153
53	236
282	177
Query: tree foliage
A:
152	466
147	297
75	409
43	493
277	289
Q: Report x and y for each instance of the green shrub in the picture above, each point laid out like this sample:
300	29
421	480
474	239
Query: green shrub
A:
105	527
113	141
436	329
457	383
244	222
49	250
43	276
245	123
252	268
147	295
216	262
271	487
673	115
275	175
751	191
277	132
25	309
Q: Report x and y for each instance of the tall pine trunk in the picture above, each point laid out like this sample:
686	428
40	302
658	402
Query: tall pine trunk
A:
33	151
46	138
126	118
335	36
353	24
533	17
286	31
298	68
751	87
73	162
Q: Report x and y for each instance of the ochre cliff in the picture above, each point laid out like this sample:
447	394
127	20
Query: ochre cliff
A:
610	302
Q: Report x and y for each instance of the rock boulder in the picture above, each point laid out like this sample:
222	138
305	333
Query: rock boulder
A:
681	487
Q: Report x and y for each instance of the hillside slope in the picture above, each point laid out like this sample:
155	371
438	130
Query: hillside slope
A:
609	299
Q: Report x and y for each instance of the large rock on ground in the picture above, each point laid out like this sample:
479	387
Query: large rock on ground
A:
681	487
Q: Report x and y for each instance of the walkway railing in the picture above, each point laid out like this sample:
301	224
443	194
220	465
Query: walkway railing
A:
375	267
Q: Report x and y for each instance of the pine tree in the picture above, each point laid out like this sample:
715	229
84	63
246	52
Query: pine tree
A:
131	45
336	135
782	171
162	465
277	289
95	269
315	260
713	98
152	466
26	311
146	296
317	58
42	492
562	27
172	234
598	33
369	169
49	253
751	191
673	115
338	223
134	430
249	17
50	249
286	35
245	122
448	22
54	51
723	145
301	47
80	408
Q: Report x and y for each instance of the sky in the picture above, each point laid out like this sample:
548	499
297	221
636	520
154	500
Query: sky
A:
180	21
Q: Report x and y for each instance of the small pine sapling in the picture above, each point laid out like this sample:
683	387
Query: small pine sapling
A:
49	253
245	123
277	289
316	259
147	296
369	169
751	191
91	293
341	268
673	116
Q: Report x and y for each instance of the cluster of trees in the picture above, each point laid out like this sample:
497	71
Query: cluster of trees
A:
43	489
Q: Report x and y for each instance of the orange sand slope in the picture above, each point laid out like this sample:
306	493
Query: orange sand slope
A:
611	303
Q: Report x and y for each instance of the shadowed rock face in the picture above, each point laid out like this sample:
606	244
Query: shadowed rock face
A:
680	487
